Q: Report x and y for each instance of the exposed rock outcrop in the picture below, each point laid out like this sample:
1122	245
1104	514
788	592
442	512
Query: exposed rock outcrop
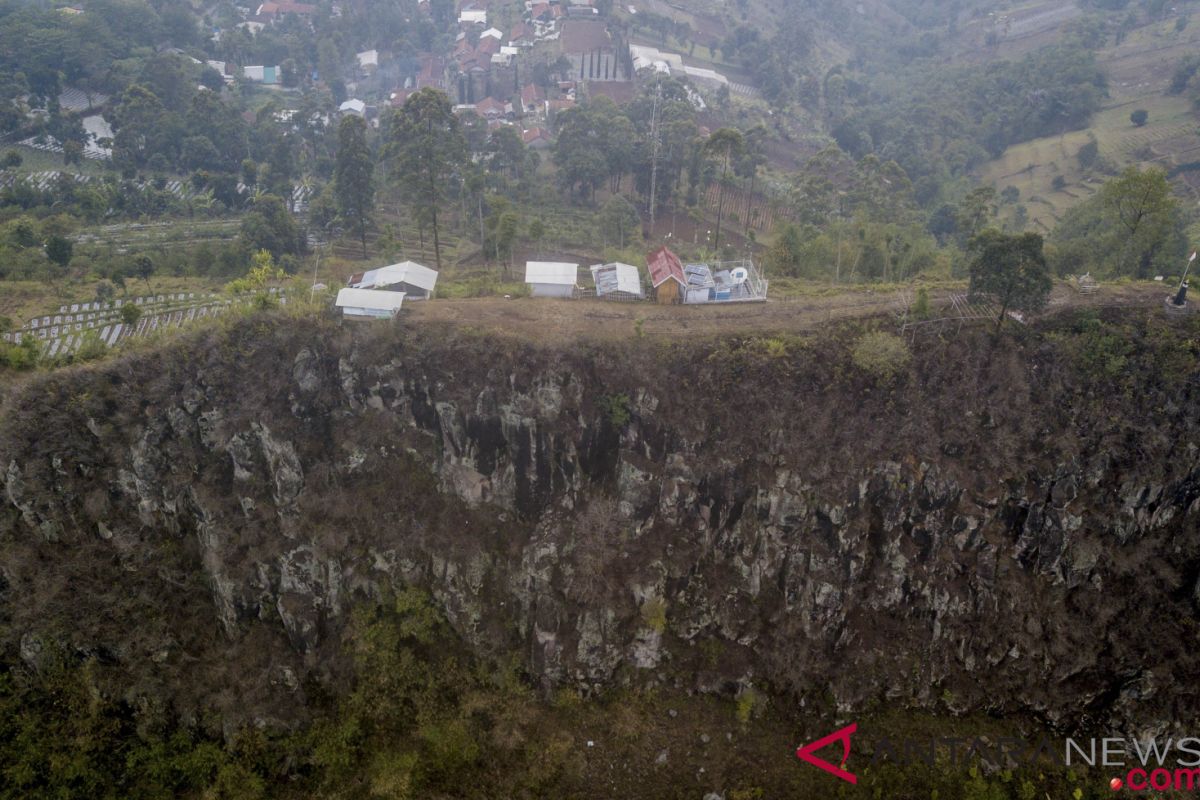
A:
968	538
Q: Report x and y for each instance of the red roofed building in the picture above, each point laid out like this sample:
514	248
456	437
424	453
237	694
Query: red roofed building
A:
433	71
489	108
533	99
274	10
521	35
487	46
536	138
666	276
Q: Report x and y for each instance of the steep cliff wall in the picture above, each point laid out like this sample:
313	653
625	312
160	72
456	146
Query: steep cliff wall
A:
1012	529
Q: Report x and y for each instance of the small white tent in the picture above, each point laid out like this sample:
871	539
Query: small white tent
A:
551	278
369	303
415	280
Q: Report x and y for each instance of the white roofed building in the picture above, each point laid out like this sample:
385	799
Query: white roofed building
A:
551	278
354	106
368	61
369	303
409	277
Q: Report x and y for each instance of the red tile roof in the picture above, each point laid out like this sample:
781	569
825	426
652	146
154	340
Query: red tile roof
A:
489	107
285	7
534	134
664	265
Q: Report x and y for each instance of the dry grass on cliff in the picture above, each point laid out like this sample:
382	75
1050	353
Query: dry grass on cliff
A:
551	321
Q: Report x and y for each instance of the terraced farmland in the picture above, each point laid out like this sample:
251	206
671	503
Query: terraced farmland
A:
74	324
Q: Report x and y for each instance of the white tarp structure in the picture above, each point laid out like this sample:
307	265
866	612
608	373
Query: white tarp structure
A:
617	278
369	303
415	280
645	57
551	278
706	77
368	60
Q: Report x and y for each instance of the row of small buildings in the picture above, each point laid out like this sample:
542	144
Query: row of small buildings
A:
379	293
668	280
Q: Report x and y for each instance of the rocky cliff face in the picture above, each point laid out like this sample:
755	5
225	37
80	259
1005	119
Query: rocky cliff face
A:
991	531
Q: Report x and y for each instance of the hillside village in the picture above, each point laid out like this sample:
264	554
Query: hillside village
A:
587	132
508	65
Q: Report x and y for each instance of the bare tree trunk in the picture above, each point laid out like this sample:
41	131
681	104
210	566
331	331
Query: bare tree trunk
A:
437	245
362	232
721	202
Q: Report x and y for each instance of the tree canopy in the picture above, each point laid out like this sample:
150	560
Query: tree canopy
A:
1009	269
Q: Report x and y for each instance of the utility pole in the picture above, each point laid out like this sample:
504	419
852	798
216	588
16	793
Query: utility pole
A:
316	264
654	153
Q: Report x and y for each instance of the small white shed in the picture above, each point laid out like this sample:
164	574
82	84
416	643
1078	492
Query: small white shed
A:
617	281
415	280
551	278
369	303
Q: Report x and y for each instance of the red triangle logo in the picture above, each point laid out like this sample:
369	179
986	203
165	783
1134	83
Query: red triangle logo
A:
805	753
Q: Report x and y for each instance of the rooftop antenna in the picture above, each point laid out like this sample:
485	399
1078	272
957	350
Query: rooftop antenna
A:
1181	295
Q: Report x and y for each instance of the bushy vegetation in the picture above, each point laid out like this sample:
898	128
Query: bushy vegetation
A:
881	354
979	111
1132	227
421	717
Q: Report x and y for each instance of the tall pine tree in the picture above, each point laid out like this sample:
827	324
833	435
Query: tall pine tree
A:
426	146
352	174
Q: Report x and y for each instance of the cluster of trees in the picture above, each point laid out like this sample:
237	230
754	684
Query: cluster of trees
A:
656	141
1132	227
938	124
41	48
29	247
436	161
49	247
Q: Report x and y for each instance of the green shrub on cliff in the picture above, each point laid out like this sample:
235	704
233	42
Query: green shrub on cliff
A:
881	354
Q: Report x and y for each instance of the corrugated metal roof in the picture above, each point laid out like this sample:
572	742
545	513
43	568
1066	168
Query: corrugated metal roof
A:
557	272
617	277
663	264
409	272
698	275
370	299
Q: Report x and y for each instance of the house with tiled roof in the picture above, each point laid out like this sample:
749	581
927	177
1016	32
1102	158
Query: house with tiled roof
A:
537	138
489	108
